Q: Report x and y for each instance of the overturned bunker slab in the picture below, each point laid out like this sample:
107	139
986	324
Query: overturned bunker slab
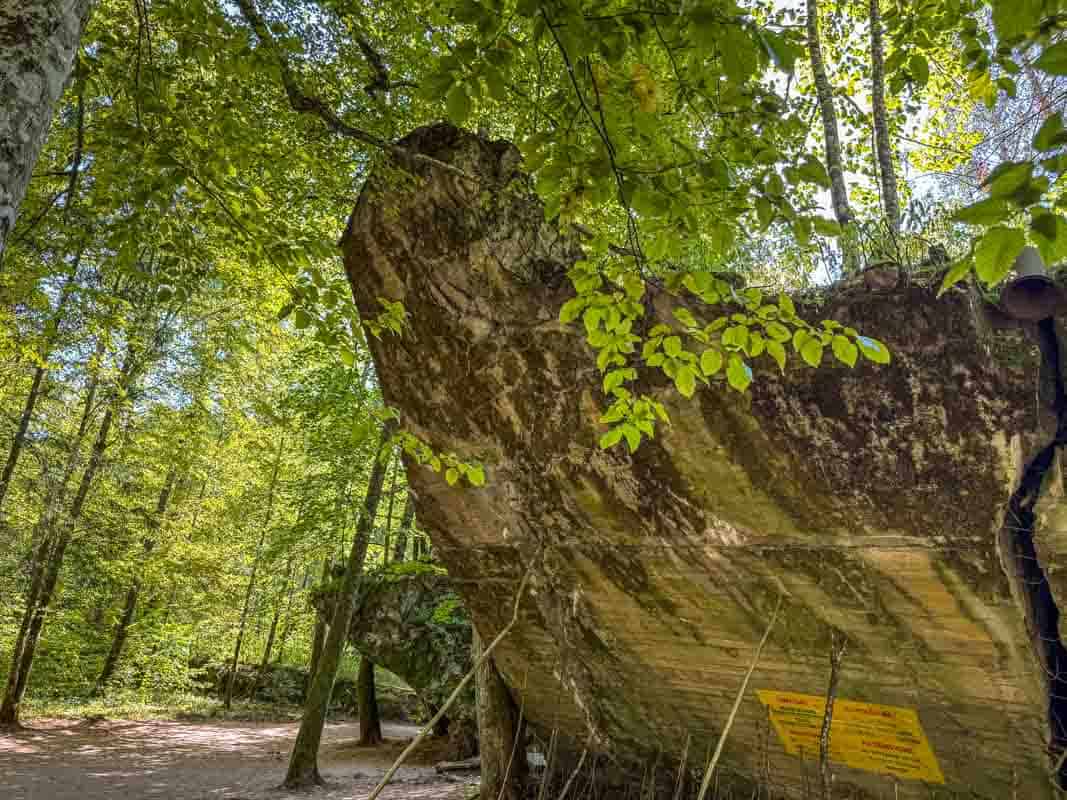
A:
871	500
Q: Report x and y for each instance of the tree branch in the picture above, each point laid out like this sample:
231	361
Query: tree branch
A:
304	103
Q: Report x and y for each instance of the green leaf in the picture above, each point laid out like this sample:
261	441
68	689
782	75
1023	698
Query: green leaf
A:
592	319
785	304
776	351
710	362
686	380
738	373
672	346
777	331
495	83
1054	59
735	336
684	316
956	273
812	170
826	227
458	103
873	349
348	358
301	319
1013	18
1050	234
920	69
611	438
985	212
615	378
1052	134
1008	178
811	351
572	308
996	252
844	350
633	436
451	475
476	475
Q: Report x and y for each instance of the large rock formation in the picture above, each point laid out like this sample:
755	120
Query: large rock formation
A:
409	619
872	500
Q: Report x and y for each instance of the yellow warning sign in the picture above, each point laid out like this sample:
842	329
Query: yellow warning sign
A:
884	739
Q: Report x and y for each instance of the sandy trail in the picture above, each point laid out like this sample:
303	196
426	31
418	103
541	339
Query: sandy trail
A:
64	760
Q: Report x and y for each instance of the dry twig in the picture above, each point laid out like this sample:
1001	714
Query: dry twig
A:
737	702
429	726
837	652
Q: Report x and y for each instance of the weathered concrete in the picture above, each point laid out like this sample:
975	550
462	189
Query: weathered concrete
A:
409	619
871	498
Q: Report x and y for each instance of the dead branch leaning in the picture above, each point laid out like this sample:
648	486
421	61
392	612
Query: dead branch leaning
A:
737	702
837	652
429	726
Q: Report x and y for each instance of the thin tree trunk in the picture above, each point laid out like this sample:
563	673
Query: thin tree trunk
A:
319	639
20	432
883	144
122	629
36	59
129	610
303	764
406	521
370	719
261	674
389	515
825	96
33	619
232	677
51	332
287	628
500	732
45	529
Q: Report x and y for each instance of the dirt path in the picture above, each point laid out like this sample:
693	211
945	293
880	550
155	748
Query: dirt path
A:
62	760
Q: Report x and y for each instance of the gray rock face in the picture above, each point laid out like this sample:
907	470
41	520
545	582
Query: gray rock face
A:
872	500
409	619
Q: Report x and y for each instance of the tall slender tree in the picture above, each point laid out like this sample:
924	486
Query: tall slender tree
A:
882	141
122	628
824	94
303	763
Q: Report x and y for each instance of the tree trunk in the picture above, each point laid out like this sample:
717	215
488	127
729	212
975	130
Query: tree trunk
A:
54	496
389	514
119	640
232	677
51	333
303	764
825	96
370	719
406	521
319	639
287	628
501	732
38	43
882	142
129	610
33	619
20	432
261	674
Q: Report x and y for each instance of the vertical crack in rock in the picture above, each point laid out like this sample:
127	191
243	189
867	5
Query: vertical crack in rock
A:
1020	559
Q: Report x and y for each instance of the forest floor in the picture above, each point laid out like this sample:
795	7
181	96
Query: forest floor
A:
161	760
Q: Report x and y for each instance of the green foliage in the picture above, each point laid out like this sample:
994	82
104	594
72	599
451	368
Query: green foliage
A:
454	468
185	212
